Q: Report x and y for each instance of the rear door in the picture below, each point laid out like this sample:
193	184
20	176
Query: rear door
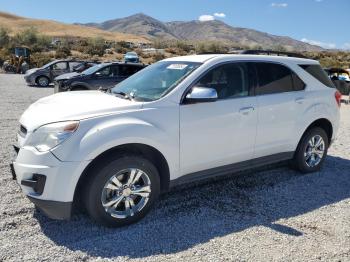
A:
281	102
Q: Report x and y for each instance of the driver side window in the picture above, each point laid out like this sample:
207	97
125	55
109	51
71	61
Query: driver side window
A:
105	72
229	80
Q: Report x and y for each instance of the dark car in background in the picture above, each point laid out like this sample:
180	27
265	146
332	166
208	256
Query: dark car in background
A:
102	76
131	57
45	75
83	66
341	79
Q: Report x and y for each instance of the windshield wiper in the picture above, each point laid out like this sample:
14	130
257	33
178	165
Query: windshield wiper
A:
123	95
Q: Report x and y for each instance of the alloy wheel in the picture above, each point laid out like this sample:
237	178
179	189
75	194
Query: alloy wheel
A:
314	151
126	193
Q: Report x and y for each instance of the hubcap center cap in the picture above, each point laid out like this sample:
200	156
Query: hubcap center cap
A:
127	192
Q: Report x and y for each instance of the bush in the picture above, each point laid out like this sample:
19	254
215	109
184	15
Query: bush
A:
63	52
96	46
4	37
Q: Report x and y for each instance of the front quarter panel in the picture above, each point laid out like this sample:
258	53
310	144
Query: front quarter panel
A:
153	127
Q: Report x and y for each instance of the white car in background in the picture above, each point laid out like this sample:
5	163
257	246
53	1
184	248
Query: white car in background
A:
179	120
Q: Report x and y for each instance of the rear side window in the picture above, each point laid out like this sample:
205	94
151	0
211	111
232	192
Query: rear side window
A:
128	70
317	72
273	78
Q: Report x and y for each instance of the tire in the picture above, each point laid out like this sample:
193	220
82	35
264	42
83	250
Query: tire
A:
307	159
102	187
42	81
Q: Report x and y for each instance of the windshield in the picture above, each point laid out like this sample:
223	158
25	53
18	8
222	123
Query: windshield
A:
156	80
93	69
131	54
49	64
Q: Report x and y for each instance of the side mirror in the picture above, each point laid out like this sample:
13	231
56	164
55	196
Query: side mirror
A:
201	94
98	74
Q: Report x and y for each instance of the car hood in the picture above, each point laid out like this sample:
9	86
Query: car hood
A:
31	71
75	105
67	76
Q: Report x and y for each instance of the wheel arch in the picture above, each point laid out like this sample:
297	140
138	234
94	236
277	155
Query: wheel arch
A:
150	153
323	123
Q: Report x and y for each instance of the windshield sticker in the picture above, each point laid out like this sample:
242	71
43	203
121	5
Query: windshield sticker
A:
177	66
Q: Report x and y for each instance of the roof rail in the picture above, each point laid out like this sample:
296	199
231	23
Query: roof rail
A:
271	52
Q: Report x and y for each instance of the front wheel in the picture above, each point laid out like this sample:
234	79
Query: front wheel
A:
121	191
311	151
43	81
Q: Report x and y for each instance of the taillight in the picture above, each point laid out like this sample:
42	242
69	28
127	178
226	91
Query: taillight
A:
337	96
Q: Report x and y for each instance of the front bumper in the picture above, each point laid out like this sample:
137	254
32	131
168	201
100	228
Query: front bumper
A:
48	182
53	209
29	80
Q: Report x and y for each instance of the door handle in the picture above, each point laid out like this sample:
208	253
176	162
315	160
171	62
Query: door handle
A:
299	100
246	110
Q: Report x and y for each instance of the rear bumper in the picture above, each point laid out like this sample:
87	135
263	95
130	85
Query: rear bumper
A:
53	209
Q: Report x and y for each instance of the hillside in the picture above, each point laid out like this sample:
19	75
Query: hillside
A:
58	29
146	26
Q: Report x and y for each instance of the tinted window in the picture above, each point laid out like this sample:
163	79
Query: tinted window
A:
317	72
106	71
229	80
128	70
273	78
297	82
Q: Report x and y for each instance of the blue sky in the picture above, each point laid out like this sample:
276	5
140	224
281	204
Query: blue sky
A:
324	22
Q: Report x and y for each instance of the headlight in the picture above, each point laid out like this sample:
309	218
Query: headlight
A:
48	136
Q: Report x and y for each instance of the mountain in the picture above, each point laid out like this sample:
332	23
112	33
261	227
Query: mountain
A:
57	29
146	26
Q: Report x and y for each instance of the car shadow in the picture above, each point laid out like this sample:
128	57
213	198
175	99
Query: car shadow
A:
195	214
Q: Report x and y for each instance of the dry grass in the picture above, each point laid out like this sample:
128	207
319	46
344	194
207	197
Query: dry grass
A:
57	29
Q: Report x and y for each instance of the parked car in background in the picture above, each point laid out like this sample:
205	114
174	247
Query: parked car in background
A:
83	66
131	57
101	76
177	121
45	75
341	80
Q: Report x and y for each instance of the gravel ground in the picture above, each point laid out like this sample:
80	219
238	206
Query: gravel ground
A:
269	214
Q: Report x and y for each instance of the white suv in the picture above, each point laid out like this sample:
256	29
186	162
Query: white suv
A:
179	120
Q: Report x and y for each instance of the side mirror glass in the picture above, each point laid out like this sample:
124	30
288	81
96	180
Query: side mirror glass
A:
201	94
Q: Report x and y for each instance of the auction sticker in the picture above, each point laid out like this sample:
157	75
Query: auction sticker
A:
177	66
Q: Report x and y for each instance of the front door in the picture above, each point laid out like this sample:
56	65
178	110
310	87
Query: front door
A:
58	69
219	133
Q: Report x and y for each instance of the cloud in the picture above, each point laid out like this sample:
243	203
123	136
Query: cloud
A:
221	15
346	46
280	5
204	18
318	1
319	43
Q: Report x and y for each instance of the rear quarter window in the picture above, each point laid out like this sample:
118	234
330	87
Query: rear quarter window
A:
317	72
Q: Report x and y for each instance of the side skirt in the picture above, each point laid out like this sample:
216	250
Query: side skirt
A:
232	168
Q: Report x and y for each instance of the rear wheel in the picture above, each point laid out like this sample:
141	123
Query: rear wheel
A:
311	151
122	191
42	81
